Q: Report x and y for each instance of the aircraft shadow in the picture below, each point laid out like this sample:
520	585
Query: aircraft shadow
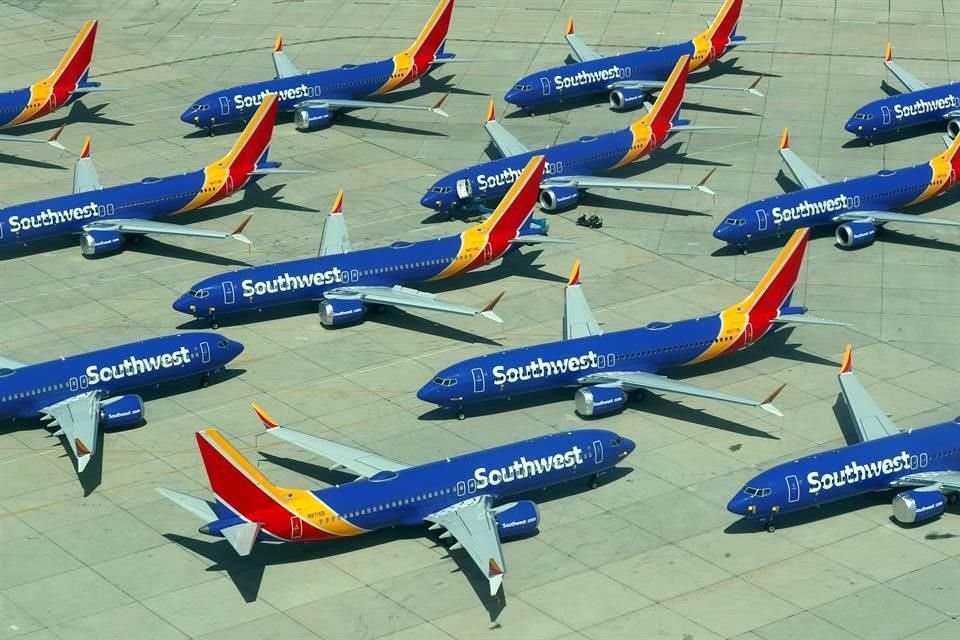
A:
609	202
348	120
813	514
707	108
154	247
79	113
908	239
515	263
907	133
9	159
253	197
774	344
38	246
729	67
773	242
665	155
438	86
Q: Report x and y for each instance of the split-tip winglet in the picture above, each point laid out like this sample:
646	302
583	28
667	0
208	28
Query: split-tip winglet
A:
52	140
753	87
264	417
237	233
846	366
337	203
495	575
436	107
278	44
487	311
888	56
701	186
767	403
785	139
570	26
574	279
491	112
85	150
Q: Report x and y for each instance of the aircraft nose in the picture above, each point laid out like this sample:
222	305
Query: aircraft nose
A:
187	116
513	97
432	200
428	392
739	504
721	232
236	348
628	446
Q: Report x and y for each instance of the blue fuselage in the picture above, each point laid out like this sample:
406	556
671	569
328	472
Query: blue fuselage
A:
24	391
888	115
848	471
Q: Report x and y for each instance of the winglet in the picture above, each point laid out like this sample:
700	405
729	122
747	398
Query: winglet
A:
570	26
83	454
85	150
785	139
278	44
767	403
888	56
487	311
753	87
237	234
268	422
847	365
574	279
491	112
495	575
52	140
701	186
337	207
436	107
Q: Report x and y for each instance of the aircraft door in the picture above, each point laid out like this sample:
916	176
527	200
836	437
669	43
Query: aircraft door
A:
1	231
230	185
228	293
224	106
464	188
597	451
886	114
761	220
545	83
748	334
487	252
793	489
204	351
478	380
296	527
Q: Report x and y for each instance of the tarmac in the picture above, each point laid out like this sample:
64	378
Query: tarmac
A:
652	552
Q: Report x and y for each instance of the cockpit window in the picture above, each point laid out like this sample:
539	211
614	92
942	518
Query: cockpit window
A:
735	222
222	344
523	87
616	442
758	493
441	189
445	382
198	293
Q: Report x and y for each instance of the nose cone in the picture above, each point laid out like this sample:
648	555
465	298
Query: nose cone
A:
234	348
722	232
851	126
429	392
739	504
188	116
628	446
431	200
513	97
183	304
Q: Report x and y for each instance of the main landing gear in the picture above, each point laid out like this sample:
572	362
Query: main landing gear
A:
595	480
214	324
460	414
205	380
769	526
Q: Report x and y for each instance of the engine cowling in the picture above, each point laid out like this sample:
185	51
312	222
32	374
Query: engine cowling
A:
627	99
599	401
96	242
953	128
122	411
918	505
853	235
334	313
517	519
312	118
559	198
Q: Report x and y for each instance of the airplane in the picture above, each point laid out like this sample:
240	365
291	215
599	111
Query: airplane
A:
80	394
313	96
925	462
629	78
571	165
608	366
465	495
348	282
856	206
104	216
922	104
68	82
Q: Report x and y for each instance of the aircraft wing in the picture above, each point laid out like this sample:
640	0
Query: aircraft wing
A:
889	216
805	175
10	363
344	103
144	226
578	320
505	142
472	523
946	481
405	297
601	182
656	85
281	63
628	380
79	419
52	140
335	239
871	422
910	81
85	176
359	461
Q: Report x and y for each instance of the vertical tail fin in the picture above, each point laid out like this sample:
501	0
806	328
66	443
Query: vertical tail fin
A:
776	286
723	27
251	147
517	206
75	63
434	33
667	106
952	155
238	485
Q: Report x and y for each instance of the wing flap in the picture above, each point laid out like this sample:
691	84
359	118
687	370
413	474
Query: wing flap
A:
281	63
578	48
910	81
79	419
85	176
578	319
344	103
145	226
891	216
804	173
406	297
601	182
335	238
948	481
870	421
473	524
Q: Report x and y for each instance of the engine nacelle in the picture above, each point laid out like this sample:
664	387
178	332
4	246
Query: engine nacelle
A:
627	99
312	118
517	519
918	505
122	411
953	128
96	242
599	401
853	235
559	198
334	313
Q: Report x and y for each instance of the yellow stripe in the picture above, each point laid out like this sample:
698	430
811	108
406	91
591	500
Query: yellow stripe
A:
441	7
942	168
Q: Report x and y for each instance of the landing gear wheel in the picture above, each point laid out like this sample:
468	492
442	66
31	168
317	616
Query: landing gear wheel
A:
205	380
953	498
770	527
595	481
214	324
461	415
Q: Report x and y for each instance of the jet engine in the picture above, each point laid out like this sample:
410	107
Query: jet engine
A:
853	235
953	128
559	198
122	411
918	505
517	519
334	313
627	99
312	118
599	401
96	242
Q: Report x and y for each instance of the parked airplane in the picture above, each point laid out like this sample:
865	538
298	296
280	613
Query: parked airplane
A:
925	461
314	96
67	83
608	366
104	216
463	494
922	104
81	393
347	282
629	78
571	165
856	206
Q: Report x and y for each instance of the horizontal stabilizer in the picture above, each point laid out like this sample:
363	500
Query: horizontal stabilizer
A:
534	239
200	508
84	90
270	171
695	127
804	318
242	537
